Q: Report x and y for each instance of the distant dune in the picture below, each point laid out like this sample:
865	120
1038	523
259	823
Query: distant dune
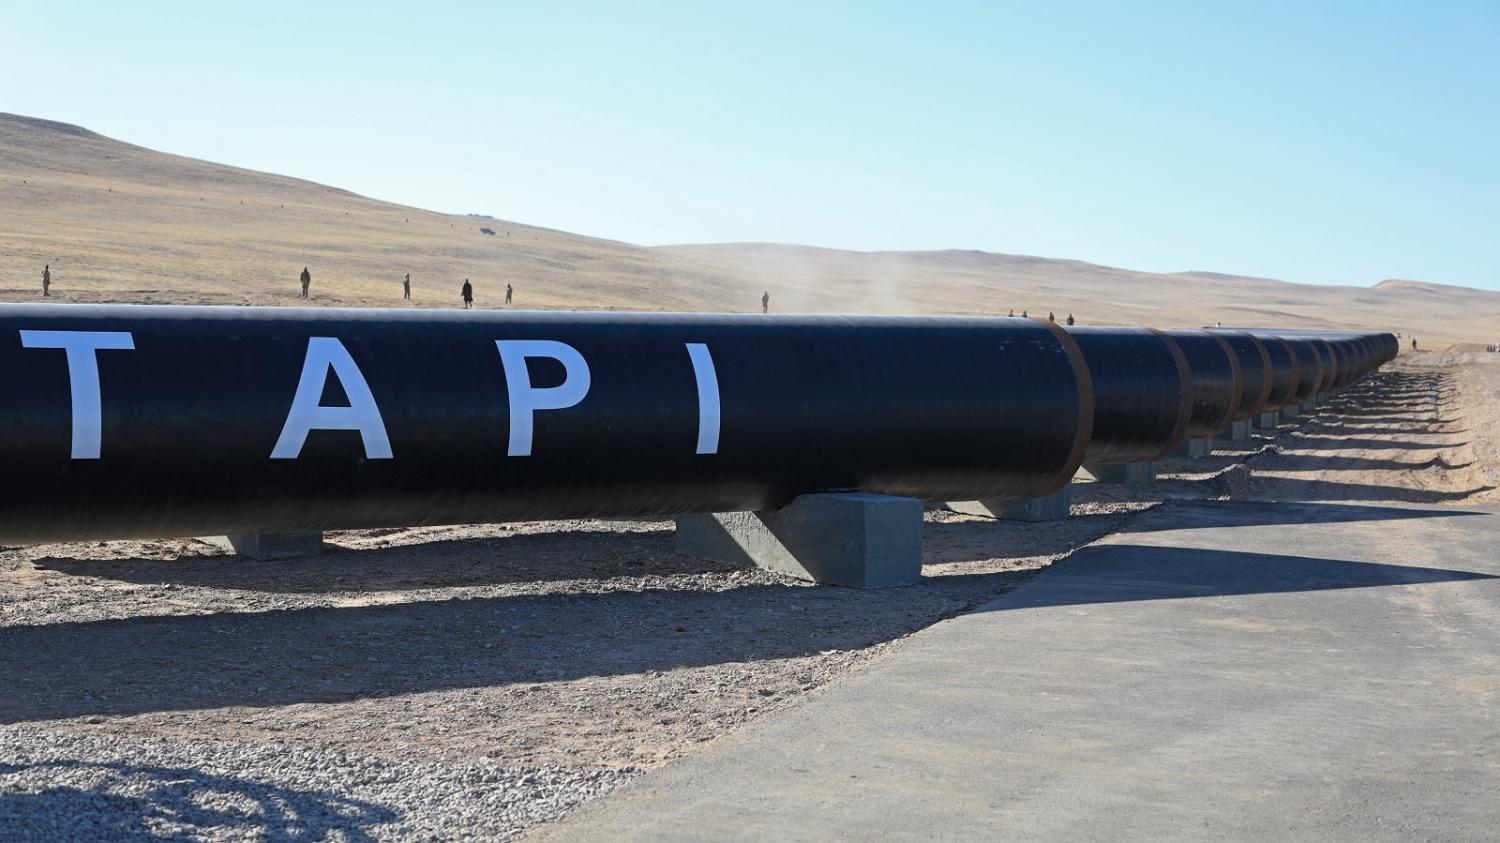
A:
120	223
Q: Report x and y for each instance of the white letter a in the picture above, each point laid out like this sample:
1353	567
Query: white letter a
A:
307	414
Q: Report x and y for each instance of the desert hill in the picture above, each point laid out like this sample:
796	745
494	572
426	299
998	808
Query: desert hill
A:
120	223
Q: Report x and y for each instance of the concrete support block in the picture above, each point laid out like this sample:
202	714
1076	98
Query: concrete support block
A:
1269	420
1194	449
276	545
847	538
1134	473
1238	433
1053	507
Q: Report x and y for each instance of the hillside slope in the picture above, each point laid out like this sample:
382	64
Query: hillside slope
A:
121	223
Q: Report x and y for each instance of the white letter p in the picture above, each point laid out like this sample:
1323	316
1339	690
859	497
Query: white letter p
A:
525	398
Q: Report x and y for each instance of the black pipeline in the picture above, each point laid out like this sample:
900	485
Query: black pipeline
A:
1310	366
1217	380
1286	372
1349	354
1353	353
1255	372
1142	393
135	421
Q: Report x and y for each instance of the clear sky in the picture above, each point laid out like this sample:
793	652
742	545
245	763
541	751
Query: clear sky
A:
1331	142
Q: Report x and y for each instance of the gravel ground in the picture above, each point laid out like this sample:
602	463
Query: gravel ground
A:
479	680
60	786
455	661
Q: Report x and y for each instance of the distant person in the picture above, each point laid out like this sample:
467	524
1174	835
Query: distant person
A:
406	287
1413	343
1070	319
468	294
765	302
306	282
1013	311
509	293
1051	317
46	280
1024	315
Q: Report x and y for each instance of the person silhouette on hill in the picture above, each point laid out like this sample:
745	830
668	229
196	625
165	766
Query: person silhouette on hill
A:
406	287
1013	311
47	280
1025	315
1051	317
306	282
765	302
1070	318
508	292
468	294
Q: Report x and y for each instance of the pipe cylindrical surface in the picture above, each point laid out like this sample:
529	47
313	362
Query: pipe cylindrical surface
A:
1310	366
1217	381
1141	402
1348	354
1286	372
135	421
1255	371
1330	364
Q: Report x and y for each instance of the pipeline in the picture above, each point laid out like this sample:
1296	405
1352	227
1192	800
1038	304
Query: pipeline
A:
1356	353
139	421
147	421
1255	371
1142	393
1286	371
1217	380
1310	368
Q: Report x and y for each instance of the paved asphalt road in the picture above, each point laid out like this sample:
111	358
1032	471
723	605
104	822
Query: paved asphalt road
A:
1243	670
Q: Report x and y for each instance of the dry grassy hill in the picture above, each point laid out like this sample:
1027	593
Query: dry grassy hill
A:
125	224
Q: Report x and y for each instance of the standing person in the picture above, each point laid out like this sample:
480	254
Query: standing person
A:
1070	318
468	294
508	292
1413	343
406	287
1012	312
765	302
46	280
306	281
1051	317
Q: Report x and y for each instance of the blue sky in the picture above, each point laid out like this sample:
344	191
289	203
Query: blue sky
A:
1324	142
